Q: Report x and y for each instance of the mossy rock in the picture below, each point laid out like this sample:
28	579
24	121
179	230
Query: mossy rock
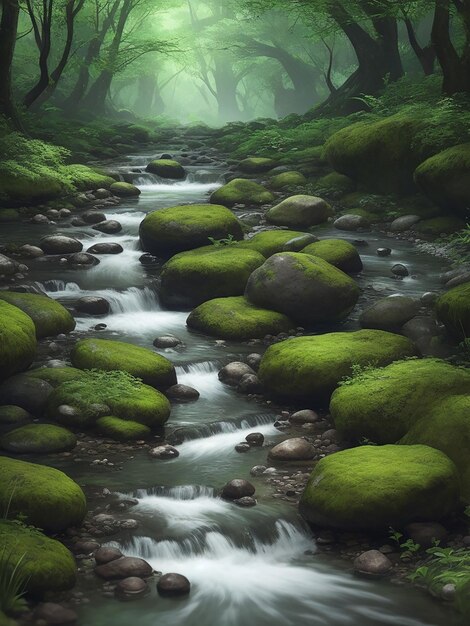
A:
108	355
45	564
269	242
136	402
122	430
336	183
337	252
438	226
11	414
300	211
287	179
55	376
256	165
124	190
374	488
167	168
84	178
445	179
190	278
9	215
49	316
311	367
305	288
237	319
29	188
453	310
45	496
38	439
176	229
379	156
241	191
17	340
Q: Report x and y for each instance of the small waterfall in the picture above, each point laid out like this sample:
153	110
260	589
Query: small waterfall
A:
196	433
203	377
133	299
182	492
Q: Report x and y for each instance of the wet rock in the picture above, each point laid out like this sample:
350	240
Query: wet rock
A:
258	470
31	252
26	392
426	533
53	214
147	258
85	547
7	266
182	393
106	248
167	341
389	313
246	501
106	555
329	434
243	446
384	251
109	227
237	488
255	440
40	218
400	270
102	194
64	213
66	414
250	383
421	330
131	588
305	416
60	244
254	360
462	278
124	567
93	305
82	259
164	452
232	373
173	585
101	326
350	222
372	564
448	592
295	449
404	222
429	298
77	221
93	217
55	614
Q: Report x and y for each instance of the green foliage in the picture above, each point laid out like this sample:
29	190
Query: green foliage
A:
408	547
227	241
13	582
443	566
361	372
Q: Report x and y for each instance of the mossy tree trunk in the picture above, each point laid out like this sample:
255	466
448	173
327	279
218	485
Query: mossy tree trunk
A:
8	32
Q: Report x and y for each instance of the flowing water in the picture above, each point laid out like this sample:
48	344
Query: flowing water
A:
254	566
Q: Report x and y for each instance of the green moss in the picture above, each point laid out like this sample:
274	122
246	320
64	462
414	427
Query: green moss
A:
371	217
437	226
47	565
104	354
237	319
373	488
300	211
453	309
124	189
269	242
17	340
26	188
337	252
45	496
167	168
50	317
126	398
256	165
337	183
55	376
122	430
190	278
175	229
38	439
11	414
241	191
287	179
312	367
445	178
9	215
83	178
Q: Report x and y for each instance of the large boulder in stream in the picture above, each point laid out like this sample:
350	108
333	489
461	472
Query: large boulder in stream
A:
300	212
167	168
104	354
337	252
311	367
374	488
124	190
60	244
389	313
45	496
17	340
242	191
256	165
190	278
38	439
237	319
50	317
305	288
453	310
175	229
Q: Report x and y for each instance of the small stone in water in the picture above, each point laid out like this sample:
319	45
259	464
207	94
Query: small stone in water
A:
164	452
101	326
255	439
57	614
384	251
131	588
237	488
257	470
242	447
106	555
167	341
400	270
246	501
372	564
173	585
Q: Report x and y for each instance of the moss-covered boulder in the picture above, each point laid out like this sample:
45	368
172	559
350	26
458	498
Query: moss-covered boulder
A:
445	178
175	229
453	309
256	165
45	496
29	188
121	429
10	414
311	367
241	191
167	168
439	226
49	316
55	376
100	393
300	212
237	319
190	278
44	563
83	177
17	340
335	184
337	252
377	487
104	354
38	439
9	215
124	190
305	288
269	242
287	179
380	156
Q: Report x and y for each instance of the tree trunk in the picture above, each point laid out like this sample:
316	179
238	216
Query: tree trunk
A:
455	67
43	41
146	86
226	89
426	55
8	30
